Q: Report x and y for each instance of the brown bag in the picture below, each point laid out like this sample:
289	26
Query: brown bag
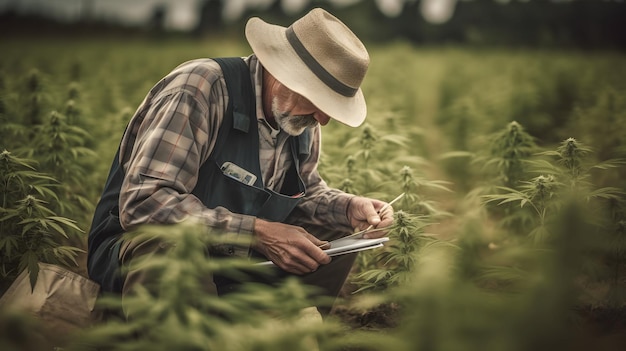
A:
63	301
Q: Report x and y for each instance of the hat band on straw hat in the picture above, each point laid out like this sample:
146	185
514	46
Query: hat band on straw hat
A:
316	68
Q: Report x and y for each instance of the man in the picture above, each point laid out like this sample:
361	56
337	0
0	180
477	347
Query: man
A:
234	143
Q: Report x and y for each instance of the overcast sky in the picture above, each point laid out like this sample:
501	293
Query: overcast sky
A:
182	14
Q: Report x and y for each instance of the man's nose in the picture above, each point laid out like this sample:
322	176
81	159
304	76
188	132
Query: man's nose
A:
321	118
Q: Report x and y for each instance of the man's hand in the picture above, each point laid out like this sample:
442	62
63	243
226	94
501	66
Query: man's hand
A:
363	212
291	248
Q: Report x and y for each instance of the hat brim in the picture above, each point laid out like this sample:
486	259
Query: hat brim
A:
269	43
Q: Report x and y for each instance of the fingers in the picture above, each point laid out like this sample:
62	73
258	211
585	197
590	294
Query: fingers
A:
382	228
374	219
386	217
324	246
291	248
299	264
370	213
303	258
362	212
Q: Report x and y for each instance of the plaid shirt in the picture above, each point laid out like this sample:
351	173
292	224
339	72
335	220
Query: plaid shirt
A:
174	131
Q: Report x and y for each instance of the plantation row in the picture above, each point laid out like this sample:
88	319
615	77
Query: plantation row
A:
511	235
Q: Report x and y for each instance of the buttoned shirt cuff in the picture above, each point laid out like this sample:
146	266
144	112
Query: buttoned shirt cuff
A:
238	236
243	225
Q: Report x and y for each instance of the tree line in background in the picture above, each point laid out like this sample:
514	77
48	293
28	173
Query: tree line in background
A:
583	24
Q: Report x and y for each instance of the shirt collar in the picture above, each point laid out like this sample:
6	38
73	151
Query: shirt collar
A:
256	72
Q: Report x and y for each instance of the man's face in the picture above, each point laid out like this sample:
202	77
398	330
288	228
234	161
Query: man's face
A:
294	113
290	123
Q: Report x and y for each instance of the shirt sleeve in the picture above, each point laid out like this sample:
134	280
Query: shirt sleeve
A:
322	206
173	139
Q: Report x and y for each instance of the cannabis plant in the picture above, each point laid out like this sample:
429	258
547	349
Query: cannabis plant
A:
414	211
34	99
509	149
60	149
605	210
567	179
503	166
539	194
364	174
443	308
506	162
416	190
396	261
178	311
30	231
445	311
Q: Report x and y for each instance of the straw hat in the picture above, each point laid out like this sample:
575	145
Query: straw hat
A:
319	58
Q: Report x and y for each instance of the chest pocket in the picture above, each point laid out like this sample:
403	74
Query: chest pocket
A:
238	143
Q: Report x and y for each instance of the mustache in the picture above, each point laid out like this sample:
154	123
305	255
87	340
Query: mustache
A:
300	121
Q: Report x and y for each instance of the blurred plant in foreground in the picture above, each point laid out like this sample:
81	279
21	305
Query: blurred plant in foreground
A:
179	314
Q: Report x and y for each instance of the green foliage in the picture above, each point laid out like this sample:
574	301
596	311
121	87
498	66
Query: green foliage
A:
382	269
567	182
29	230
179	313
397	260
445	312
34	129
34	98
532	234
21	332
60	149
416	190
519	296
362	176
599	120
509	149
505	162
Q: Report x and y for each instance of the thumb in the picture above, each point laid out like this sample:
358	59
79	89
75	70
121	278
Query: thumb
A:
373	219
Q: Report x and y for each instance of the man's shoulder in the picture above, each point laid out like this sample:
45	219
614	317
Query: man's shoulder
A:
199	64
195	77
207	67
197	70
201	78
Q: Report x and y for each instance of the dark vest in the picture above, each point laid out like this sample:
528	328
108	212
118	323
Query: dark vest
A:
238	143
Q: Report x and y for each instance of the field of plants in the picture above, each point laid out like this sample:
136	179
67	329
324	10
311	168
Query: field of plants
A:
511	236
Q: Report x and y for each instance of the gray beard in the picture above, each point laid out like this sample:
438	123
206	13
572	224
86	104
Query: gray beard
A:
293	125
